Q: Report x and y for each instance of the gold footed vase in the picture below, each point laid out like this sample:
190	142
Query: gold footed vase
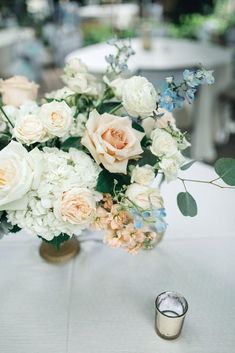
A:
66	252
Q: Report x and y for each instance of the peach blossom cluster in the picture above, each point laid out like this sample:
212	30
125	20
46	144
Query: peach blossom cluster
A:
117	222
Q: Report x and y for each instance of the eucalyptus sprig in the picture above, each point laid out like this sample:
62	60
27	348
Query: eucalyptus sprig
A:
225	169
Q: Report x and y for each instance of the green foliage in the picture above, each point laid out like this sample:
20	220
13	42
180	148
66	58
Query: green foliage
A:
106	181
74	142
15	229
187	165
4	140
97	32
147	158
187	204
225	168
107	107
57	241
137	126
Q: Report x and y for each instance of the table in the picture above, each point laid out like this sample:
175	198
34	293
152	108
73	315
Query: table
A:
172	56
103	301
8	40
119	15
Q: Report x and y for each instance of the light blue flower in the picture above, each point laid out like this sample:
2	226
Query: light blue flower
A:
138	222
190	78
205	77
110	59
168	99
190	94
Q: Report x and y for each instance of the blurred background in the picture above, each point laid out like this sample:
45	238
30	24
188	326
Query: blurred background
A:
38	36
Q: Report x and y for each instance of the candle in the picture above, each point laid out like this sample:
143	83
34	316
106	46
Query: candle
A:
171	308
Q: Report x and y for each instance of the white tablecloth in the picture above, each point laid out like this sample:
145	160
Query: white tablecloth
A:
103	301
169	56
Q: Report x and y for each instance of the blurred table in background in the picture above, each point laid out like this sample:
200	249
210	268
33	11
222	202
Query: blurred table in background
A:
170	57
9	38
120	16
103	300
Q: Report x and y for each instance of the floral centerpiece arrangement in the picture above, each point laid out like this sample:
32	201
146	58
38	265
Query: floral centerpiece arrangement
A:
86	156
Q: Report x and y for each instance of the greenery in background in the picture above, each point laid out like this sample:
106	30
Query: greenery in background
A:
190	25
97	32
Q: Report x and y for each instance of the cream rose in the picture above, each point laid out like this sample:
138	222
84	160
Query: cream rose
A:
142	175
78	79
144	196
29	129
16	90
139	97
18	173
171	165
76	206
112	141
149	123
163	144
56	117
75	66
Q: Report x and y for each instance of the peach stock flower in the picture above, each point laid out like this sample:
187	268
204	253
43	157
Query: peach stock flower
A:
107	202
111	238
101	219
18	89
112	141
119	217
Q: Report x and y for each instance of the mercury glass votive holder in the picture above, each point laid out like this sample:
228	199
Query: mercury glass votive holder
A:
170	311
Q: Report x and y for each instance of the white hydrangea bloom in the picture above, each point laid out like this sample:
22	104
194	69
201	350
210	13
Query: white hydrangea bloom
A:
62	172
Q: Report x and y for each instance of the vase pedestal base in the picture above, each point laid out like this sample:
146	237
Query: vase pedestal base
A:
66	252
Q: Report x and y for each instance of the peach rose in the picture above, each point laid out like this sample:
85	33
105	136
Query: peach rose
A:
112	141
18	89
77	206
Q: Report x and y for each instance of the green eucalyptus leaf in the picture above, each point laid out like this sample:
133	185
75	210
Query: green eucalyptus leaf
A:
74	142
187	165
225	168
147	158
107	107
187	204
106	181
137	126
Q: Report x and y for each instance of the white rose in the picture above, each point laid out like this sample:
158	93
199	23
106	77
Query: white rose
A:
76	206
79	80
17	172
11	112
18	89
149	123
163	121
163	144
75	66
61	93
144	196
3	126
29	129
117	86
171	165
139	96
142	175
56	118
83	83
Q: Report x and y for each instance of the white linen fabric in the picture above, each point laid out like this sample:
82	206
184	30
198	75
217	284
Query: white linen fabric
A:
103	301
